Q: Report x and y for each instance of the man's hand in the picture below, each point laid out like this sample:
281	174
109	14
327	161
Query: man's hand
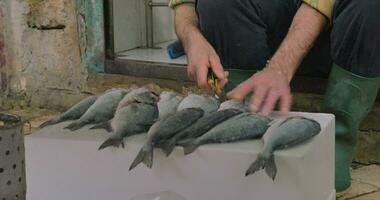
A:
201	56
268	86
272	84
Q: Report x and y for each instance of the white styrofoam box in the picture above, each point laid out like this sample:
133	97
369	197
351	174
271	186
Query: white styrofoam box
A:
63	165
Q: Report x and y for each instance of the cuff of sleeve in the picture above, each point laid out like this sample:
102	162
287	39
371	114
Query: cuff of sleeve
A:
323	6
175	3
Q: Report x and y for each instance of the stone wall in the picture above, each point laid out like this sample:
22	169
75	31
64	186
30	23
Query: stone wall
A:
42	47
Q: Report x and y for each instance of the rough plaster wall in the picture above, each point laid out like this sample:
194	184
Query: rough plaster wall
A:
3	66
13	34
44	47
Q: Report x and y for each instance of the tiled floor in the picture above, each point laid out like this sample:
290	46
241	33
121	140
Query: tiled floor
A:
157	54
365	184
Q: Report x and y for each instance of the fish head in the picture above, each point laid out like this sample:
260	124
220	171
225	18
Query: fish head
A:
147	98
207	103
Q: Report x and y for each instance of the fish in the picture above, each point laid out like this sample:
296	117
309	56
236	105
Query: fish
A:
241	127
206	103
233	104
168	103
201	126
229	104
7	119
75	112
101	111
164	129
136	117
282	134
130	97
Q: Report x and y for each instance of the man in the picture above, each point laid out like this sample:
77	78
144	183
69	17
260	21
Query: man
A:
276	36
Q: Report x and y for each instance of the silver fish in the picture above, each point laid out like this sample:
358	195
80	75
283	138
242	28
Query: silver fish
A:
241	127
164	129
130	97
101	111
73	113
200	127
206	103
137	116
235	104
168	103
281	135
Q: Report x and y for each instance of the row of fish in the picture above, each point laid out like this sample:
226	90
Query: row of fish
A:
173	120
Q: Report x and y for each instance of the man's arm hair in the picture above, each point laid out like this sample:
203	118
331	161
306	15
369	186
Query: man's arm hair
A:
307	24
186	23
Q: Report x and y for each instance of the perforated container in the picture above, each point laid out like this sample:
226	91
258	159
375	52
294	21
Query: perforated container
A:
12	158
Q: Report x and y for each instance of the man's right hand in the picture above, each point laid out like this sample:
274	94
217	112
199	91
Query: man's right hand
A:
201	56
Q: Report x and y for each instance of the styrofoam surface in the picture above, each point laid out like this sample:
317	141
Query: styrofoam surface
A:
63	165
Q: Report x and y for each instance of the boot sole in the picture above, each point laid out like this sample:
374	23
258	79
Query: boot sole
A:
343	193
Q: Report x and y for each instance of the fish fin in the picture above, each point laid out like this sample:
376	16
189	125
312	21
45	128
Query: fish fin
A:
104	125
270	168
168	147
112	141
50	122
259	164
189	148
75	125
145	156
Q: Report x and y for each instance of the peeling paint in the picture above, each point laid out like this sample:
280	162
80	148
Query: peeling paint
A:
91	33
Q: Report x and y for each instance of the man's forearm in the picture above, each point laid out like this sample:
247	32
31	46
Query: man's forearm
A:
186	23
305	29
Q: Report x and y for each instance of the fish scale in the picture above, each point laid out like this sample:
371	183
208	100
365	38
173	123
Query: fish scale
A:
137	117
101	111
164	129
201	126
240	127
75	112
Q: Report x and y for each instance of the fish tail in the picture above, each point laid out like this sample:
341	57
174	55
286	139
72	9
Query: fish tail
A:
190	147
75	125
104	125
168	147
50	122
145	156
112	141
263	162
270	167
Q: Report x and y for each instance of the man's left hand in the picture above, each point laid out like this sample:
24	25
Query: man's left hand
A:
268	86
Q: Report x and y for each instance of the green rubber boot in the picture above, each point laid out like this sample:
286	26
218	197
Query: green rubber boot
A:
350	97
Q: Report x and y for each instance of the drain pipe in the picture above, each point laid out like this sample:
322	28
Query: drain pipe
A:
149	4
